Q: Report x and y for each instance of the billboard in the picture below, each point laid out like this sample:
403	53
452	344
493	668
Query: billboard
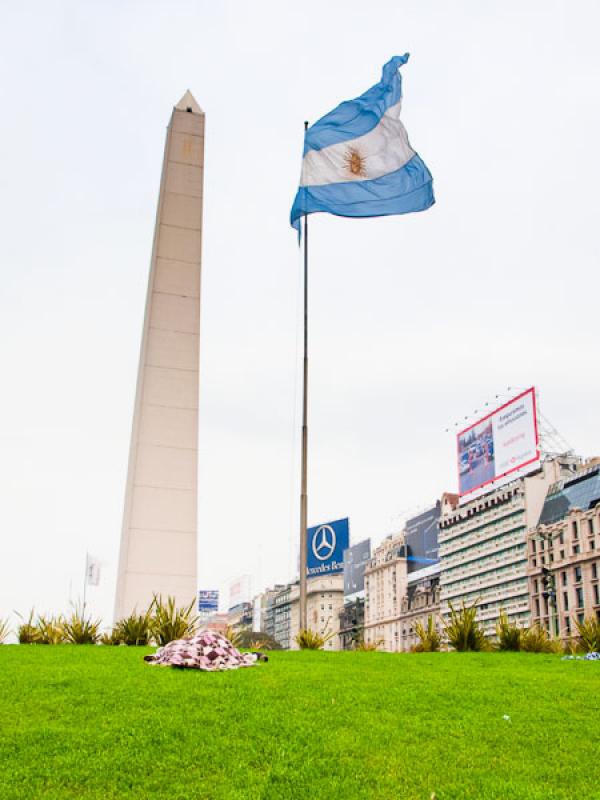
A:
421	535
239	591
325	547
356	559
495	448
208	601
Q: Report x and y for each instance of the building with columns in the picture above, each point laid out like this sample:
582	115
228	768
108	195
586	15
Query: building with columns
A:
565	546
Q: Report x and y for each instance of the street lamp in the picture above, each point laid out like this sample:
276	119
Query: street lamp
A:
548	578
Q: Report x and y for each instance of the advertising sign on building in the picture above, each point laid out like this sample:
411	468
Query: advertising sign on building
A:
208	601
356	559
499	447
239	591
421	535
326	544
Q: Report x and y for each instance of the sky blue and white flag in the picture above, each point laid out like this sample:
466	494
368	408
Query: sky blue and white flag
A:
358	161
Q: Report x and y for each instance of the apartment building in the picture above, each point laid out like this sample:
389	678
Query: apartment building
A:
565	547
396	599
386	582
482	545
324	601
422	600
352	623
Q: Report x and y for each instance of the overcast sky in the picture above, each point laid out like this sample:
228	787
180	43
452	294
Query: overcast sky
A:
416	321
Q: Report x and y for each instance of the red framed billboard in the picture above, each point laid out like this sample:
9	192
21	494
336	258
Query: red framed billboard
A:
496	447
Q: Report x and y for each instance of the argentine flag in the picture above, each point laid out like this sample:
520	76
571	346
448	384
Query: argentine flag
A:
358	161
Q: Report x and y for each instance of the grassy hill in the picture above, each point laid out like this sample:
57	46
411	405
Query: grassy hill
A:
97	722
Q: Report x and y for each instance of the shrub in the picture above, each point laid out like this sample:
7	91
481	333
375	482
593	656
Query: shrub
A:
463	631
169	622
310	640
4	630
79	629
235	635
256	640
367	647
27	632
509	633
50	630
536	640
429	637
588	637
132	630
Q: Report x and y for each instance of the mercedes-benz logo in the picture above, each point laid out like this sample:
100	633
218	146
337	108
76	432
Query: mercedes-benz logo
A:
323	542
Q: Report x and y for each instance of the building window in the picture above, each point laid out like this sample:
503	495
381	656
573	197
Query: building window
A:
579	593
537	607
561	538
576	549
535	586
565	601
575	530
577	574
563	576
591	527
568	624
533	546
594	570
562	554
596	595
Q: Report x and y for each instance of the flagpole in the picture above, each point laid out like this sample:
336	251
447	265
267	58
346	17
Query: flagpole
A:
85	580
303	480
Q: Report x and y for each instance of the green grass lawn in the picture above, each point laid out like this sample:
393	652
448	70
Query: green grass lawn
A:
97	722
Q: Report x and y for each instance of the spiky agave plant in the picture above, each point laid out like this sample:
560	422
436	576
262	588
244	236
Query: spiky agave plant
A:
463	631
51	630
132	630
27	632
312	640
429	638
588	637
169	622
509	634
235	636
79	629
4	630
536	640
368	647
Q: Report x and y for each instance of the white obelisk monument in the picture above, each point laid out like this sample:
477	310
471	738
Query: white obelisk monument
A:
158	540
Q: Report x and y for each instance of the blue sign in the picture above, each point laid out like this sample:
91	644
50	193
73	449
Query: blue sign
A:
325	547
208	600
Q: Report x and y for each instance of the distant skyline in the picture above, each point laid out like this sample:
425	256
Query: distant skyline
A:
415	322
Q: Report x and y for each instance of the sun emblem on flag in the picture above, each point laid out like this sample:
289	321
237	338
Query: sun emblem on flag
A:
355	162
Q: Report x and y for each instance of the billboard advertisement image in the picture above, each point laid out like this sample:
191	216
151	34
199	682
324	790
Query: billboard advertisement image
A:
208	601
356	559
326	544
421	536
498	446
240	591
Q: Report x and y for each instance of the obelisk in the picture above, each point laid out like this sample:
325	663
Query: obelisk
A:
158	539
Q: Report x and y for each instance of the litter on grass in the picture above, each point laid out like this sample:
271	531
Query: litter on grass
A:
593	656
208	651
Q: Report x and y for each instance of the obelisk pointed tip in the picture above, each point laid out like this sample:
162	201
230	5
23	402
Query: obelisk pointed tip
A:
189	103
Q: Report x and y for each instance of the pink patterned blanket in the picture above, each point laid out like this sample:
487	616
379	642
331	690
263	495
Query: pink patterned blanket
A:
207	650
